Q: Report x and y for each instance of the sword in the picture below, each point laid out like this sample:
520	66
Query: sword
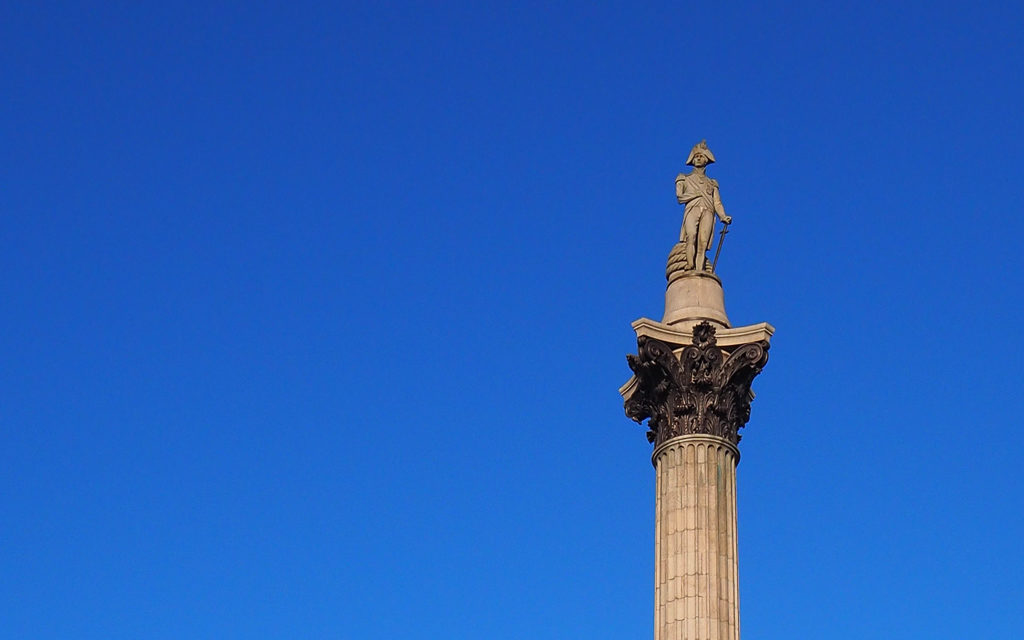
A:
721	239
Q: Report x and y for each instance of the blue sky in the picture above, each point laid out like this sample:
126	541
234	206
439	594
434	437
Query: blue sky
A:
314	315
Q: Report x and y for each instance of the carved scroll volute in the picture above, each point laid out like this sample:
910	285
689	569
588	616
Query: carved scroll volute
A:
734	396
658	373
702	391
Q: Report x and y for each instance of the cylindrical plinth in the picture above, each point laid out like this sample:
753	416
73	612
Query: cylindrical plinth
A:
696	586
693	297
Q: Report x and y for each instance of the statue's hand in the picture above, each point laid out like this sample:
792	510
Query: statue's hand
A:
727	219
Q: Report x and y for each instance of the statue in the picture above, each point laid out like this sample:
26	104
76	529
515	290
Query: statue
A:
700	195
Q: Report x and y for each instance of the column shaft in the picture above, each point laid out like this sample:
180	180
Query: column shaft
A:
696	584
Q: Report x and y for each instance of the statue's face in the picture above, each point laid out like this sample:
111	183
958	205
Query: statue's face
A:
700	160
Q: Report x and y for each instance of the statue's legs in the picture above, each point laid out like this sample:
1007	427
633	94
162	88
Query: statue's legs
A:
705	228
689	236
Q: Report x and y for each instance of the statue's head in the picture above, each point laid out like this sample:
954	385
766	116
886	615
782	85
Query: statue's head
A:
700	149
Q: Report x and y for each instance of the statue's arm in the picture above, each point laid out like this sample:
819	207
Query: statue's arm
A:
680	188
719	207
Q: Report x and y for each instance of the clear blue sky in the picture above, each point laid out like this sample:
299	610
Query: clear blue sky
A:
313	317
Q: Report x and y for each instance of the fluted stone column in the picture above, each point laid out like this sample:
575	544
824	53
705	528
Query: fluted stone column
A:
695	397
696	591
691	381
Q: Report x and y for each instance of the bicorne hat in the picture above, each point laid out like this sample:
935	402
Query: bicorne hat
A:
702	147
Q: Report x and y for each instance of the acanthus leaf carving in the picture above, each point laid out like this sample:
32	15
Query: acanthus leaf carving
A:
702	390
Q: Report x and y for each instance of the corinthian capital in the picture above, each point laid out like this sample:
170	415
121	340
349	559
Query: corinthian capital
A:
699	388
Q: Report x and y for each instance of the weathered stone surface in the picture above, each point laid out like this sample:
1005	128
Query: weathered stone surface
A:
696	587
692	297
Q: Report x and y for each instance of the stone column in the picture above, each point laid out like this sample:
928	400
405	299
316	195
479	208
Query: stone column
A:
696	591
695	397
691	381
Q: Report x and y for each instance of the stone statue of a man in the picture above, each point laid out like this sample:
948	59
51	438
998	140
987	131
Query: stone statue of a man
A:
700	195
